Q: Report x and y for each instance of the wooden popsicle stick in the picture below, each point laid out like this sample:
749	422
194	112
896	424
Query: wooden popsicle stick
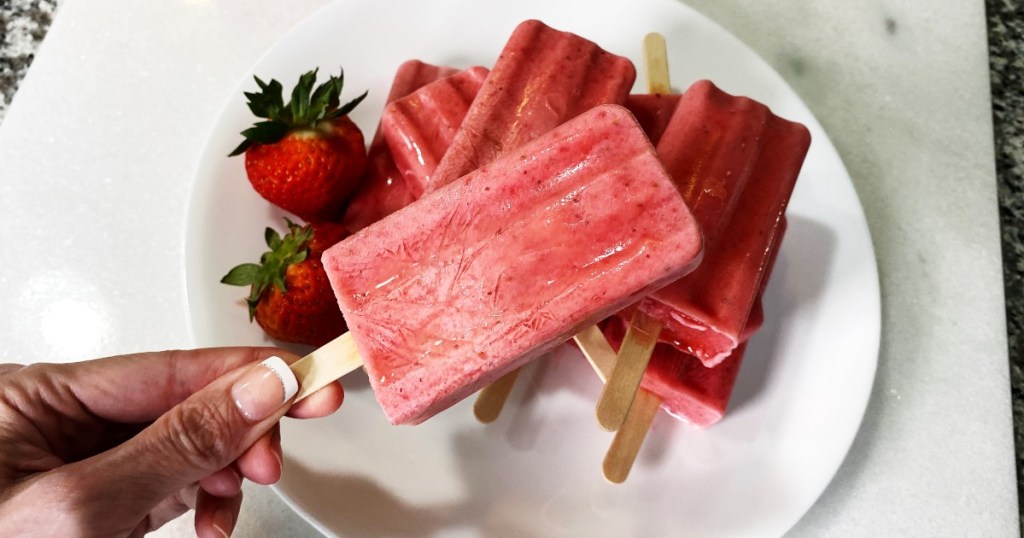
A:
325	365
630	363
596	349
630	437
656	63
627	442
491	398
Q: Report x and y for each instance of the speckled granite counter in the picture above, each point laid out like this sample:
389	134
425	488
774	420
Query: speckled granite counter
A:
24	22
1006	50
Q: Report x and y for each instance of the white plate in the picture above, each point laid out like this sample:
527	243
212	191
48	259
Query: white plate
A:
799	399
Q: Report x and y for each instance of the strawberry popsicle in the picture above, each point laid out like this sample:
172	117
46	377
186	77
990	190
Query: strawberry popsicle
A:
736	164
507	262
383	190
542	78
420	126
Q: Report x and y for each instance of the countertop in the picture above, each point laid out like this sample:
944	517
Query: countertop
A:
907	108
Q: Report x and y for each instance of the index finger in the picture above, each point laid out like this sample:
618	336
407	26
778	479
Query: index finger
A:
140	387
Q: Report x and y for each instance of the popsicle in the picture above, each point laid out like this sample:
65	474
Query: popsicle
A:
736	164
495	269
711	146
542	78
383	190
420	126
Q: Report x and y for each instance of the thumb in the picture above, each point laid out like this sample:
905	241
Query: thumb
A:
202	434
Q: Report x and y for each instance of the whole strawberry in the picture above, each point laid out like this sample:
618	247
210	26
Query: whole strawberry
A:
290	296
307	157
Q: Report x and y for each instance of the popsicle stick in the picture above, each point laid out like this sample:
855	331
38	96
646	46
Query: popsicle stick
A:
630	363
656	63
491	398
627	442
596	349
630	437
325	365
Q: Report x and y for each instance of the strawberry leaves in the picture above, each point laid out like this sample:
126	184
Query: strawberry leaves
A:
284	252
307	107
267	103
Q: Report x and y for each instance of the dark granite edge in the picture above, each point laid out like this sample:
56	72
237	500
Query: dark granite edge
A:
1006	58
23	23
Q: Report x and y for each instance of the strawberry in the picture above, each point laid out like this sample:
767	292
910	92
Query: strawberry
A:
307	157
290	296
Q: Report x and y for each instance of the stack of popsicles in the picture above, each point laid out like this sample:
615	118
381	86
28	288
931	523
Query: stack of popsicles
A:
543	208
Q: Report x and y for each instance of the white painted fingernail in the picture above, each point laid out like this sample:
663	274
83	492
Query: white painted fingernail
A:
284	373
262	390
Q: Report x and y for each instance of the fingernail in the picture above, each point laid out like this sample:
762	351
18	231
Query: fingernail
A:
280	461
224	522
234	475
263	389
276	444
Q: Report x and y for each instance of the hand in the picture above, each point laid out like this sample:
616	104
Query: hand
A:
120	446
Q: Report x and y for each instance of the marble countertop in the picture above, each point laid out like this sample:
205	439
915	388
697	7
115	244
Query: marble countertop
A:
24	23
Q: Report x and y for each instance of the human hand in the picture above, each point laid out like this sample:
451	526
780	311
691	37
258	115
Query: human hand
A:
119	446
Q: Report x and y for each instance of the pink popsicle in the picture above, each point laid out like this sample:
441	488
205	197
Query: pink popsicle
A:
542	78
736	164
383	190
420	126
493	270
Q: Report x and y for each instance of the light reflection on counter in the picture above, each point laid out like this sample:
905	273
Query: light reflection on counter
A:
64	317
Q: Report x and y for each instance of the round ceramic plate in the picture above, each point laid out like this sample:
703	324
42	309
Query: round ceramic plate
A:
537	470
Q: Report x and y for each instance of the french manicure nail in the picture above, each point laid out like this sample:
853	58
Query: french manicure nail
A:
224	522
264	389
